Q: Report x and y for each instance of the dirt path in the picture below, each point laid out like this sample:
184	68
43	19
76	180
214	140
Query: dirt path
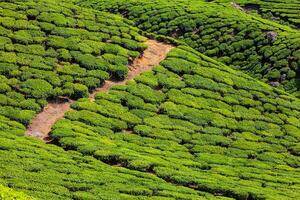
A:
41	125
151	57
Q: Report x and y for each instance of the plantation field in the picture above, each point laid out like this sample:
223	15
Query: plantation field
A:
174	132
196	123
266	50
49	50
282	11
161	100
8	194
48	172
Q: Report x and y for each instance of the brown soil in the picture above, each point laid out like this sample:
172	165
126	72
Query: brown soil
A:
41	125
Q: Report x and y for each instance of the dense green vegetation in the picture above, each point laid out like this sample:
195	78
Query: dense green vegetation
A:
282	11
49	50
9	194
191	128
266	50
56	60
197	123
48	172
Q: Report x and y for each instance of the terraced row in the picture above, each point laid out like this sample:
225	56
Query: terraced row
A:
46	171
192	128
264	49
43	42
9	194
197	123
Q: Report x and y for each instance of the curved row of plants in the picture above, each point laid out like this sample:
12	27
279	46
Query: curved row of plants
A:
9	194
285	12
50	48
264	49
46	171
197	123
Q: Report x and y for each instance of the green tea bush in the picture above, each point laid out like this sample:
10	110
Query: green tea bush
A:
9	194
80	91
37	88
118	71
145	92
89	179
282	12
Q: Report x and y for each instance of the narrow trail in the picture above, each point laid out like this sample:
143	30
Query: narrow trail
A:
41	125
152	56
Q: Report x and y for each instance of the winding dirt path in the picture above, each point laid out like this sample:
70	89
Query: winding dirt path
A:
41	125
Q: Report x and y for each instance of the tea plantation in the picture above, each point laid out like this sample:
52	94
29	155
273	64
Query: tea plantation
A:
9	194
196	123
264	49
45	171
195	127
282	11
49	50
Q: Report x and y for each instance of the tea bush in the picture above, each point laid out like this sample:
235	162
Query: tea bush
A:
48	172
9	194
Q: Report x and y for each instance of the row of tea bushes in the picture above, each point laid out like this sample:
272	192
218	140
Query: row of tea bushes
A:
197	123
50	49
46	171
282	11
9	194
264	49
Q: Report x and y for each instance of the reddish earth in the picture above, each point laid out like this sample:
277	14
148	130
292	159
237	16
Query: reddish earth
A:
41	125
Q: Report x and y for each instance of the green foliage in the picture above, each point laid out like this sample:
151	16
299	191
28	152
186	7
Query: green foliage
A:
80	91
192	128
207	127
55	48
9	194
282	12
118	71
37	88
262	48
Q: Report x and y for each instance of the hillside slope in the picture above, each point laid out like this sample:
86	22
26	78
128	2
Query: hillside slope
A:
191	128
50	49
282	11
9	194
46	171
197	123
264	49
